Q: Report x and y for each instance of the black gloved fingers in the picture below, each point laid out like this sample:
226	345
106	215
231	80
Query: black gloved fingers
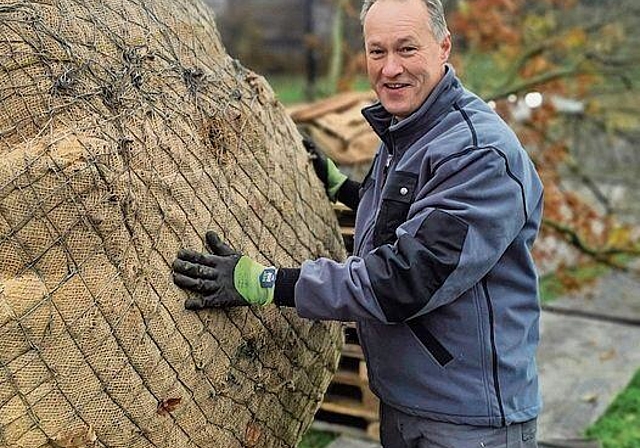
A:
224	301
200	285
311	148
194	270
217	246
195	303
213	301
318	159
199	258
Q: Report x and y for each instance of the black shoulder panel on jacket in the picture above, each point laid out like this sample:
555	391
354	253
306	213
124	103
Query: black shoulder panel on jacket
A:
405	276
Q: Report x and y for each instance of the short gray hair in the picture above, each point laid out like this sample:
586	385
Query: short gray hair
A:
436	15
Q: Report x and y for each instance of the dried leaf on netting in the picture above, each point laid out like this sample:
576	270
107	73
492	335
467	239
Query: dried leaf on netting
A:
167	406
252	435
83	438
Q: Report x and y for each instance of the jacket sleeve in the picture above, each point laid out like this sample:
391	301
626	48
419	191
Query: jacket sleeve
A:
462	221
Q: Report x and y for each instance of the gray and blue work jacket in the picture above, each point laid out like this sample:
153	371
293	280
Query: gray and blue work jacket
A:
442	283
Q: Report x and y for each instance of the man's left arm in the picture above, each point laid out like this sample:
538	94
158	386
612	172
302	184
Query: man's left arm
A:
461	223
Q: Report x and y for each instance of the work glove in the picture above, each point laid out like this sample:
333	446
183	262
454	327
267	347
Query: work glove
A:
224	277
325	169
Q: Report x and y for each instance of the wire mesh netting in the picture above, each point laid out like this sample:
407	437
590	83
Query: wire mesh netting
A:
126	132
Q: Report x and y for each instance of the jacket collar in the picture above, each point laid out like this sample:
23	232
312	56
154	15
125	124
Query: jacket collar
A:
402	134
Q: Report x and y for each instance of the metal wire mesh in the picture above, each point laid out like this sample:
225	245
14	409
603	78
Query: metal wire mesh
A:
126	132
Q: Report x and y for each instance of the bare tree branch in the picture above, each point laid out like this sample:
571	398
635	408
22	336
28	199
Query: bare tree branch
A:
536	81
604	256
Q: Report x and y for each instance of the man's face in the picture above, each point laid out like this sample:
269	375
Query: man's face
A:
404	60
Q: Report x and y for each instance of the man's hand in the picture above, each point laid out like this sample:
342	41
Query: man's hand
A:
325	169
224	278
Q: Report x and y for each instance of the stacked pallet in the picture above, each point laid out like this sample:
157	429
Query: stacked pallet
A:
336	125
349	406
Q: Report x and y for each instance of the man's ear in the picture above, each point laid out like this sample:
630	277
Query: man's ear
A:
445	48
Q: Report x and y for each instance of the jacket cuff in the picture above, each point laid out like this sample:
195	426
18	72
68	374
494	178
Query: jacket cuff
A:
284	294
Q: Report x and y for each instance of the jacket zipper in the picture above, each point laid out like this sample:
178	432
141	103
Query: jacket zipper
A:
385	170
494	352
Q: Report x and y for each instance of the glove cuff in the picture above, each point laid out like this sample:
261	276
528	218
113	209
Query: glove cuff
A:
254	282
335	179
285	287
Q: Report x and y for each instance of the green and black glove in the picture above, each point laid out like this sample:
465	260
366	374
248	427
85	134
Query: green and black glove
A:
224	278
325	169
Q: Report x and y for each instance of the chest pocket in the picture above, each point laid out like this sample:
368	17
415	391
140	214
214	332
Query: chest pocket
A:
397	197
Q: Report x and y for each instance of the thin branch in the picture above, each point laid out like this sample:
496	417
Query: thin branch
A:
535	81
604	256
591	185
523	59
586	180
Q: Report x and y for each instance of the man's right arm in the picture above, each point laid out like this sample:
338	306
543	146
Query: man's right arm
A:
337	186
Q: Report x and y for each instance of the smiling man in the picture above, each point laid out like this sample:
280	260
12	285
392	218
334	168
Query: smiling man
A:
405	57
442	283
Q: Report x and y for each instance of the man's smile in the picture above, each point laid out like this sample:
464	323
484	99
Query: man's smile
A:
395	85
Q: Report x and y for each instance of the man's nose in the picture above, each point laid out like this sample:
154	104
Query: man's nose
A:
392	66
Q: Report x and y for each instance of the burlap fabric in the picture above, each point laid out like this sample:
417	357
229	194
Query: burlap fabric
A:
126	132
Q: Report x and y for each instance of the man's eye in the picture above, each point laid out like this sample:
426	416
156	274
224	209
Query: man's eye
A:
407	50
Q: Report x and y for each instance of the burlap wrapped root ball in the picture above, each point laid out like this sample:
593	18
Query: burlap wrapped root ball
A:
127	132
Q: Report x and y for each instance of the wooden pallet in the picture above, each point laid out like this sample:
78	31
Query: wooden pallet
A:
338	127
349	401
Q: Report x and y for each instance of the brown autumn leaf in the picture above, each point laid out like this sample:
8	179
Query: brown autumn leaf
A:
608	355
591	397
253	434
167	406
82	438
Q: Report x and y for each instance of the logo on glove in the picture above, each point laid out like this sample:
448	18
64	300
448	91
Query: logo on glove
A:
268	277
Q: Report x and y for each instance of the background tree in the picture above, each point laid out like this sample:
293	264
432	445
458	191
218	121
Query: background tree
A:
560	70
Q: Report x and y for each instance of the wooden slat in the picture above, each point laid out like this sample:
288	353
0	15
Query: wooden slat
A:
340	207
348	231
303	114
346	216
353	351
347	377
348	406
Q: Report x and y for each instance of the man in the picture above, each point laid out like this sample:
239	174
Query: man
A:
442	283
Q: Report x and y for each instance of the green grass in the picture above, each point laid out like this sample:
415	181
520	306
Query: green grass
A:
316	439
291	89
553	286
619	427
